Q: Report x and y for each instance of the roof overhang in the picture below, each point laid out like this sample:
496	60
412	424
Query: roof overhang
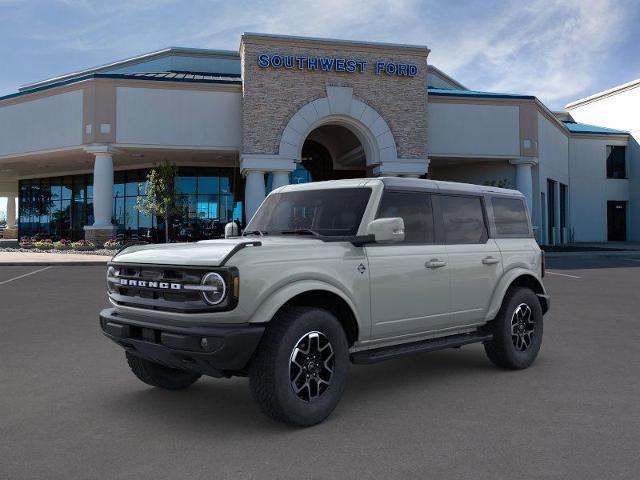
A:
145	57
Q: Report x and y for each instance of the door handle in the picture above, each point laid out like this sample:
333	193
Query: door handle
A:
435	263
490	260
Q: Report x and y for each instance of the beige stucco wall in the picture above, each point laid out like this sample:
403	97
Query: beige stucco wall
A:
272	96
45	123
470	129
178	117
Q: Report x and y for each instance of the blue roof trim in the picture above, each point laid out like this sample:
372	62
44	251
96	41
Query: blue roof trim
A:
585	128
444	92
225	80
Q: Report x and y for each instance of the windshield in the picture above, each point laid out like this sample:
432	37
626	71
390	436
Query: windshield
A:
327	212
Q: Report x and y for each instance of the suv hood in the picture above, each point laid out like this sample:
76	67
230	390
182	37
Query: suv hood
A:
205	253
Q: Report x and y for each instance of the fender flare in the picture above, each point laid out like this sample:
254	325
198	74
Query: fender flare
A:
269	307
505	282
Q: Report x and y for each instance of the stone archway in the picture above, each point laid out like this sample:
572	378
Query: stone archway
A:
339	107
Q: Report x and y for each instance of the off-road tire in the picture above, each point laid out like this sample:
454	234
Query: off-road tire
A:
160	376
502	349
270	376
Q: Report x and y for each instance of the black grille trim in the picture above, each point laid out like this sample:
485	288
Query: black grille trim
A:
170	300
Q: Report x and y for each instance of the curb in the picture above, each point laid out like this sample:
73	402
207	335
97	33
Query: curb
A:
595	253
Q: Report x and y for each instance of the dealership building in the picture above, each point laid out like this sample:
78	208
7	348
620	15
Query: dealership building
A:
75	149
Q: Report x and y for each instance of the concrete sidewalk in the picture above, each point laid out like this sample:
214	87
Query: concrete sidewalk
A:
37	259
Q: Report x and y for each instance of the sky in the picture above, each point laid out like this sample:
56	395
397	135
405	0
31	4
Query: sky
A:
557	50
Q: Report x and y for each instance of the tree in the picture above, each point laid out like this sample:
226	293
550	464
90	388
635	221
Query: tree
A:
160	199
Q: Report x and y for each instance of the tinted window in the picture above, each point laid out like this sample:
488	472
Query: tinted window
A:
616	162
463	219
414	209
335	212
510	216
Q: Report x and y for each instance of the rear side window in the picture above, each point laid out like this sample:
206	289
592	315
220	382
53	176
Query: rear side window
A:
415	209
510	216
463	219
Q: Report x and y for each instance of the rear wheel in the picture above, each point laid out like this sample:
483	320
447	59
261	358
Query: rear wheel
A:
299	370
517	330
160	376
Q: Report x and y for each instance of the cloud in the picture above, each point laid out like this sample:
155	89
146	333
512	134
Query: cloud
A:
547	48
557	50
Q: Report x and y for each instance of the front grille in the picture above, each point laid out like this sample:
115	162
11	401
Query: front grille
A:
184	299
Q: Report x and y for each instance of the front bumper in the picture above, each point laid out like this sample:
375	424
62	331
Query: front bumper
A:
214	350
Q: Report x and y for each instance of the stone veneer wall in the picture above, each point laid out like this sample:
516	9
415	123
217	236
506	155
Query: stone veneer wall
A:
272	96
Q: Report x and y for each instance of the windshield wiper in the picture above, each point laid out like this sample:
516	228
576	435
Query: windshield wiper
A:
254	232
300	231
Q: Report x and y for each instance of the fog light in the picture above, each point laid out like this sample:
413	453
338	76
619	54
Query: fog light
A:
204	343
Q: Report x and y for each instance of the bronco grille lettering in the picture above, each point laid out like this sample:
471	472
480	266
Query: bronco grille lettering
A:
148	284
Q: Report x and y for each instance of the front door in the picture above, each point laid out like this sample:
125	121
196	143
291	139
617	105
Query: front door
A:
410	291
617	221
475	260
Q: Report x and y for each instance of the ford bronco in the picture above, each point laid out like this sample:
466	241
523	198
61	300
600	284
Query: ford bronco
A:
332	273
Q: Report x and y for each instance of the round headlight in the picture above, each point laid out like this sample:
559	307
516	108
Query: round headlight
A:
216	288
111	273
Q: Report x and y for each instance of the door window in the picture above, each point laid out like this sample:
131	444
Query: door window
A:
463	219
415	209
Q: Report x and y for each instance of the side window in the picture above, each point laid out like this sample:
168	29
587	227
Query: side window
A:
463	219
510	216
415	210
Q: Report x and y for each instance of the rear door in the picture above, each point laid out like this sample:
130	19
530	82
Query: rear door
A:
410	291
475	262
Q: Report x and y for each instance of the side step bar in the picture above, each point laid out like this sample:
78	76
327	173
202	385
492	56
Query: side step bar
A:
431	345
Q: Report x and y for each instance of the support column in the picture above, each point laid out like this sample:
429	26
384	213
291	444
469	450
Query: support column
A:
253	166
11	232
524	178
254	192
280	179
11	211
102	228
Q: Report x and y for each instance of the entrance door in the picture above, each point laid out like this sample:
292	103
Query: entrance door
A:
617	221
410	290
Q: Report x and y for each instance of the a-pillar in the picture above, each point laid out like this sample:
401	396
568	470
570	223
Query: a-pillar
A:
102	228
524	178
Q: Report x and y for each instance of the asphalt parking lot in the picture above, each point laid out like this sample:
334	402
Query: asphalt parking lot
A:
70	408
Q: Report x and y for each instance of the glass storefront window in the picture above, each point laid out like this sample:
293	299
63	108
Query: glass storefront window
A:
59	207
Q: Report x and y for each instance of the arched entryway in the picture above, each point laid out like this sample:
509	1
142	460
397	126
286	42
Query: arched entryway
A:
333	152
337	136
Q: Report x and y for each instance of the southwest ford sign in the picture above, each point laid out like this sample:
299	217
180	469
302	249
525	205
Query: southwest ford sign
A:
335	64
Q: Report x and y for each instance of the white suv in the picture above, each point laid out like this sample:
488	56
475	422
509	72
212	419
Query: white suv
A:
327	274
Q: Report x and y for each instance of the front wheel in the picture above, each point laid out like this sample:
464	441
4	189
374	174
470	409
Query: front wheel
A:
299	370
517	330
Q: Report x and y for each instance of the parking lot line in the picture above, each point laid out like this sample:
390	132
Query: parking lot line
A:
562	274
25	275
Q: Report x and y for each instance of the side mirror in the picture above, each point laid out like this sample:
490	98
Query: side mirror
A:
387	230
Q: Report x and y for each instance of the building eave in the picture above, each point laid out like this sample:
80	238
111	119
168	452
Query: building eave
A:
116	76
132	61
606	93
448	78
319	41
